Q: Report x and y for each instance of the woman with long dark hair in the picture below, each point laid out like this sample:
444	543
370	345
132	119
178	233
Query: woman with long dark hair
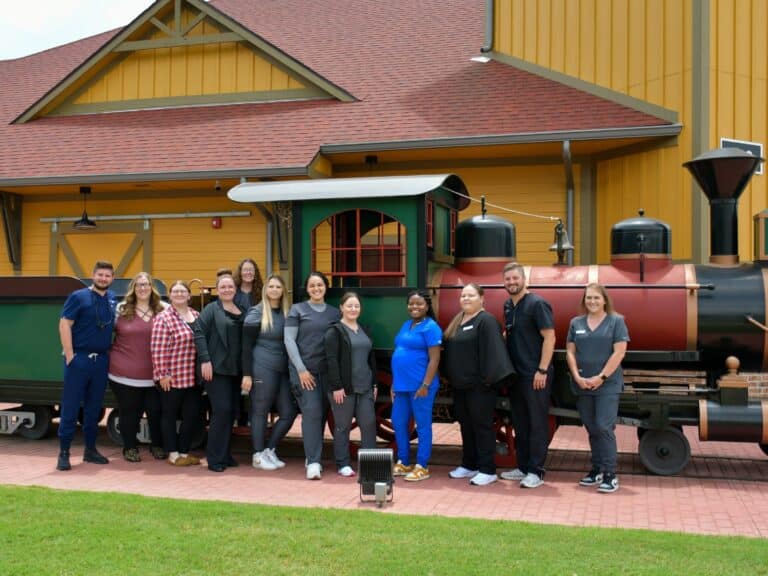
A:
248	283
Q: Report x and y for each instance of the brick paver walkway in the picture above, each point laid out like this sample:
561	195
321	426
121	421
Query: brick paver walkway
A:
728	505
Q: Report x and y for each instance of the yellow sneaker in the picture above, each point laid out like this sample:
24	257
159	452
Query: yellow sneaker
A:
401	469
417	474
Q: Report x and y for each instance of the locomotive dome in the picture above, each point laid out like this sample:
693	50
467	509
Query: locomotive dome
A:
641	235
485	237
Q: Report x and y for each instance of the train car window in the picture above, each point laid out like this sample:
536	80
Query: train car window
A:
360	248
445	221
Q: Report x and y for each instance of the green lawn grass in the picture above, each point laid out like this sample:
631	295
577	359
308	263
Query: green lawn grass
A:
47	531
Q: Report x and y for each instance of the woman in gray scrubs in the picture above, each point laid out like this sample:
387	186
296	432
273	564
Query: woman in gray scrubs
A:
305	329
352	381
597	342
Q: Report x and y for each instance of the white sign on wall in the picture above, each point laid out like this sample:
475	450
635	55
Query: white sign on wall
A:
754	148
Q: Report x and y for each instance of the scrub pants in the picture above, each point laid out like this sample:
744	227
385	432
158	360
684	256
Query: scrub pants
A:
85	380
268	387
355	405
314	409
404	407
599	413
529	410
224	396
474	411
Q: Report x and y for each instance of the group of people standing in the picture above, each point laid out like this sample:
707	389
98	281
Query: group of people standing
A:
310	356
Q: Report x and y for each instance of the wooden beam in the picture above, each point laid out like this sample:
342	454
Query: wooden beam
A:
130	252
11	208
160	25
195	21
177	16
177	41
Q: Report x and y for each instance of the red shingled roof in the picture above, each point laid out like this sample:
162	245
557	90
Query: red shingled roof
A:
407	63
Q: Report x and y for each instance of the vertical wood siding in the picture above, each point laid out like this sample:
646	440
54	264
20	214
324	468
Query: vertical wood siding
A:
640	48
221	68
738	83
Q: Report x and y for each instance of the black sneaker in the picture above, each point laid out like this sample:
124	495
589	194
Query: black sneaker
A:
592	479
609	484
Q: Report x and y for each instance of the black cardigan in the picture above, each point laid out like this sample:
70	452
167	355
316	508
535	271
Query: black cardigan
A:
211	340
338	352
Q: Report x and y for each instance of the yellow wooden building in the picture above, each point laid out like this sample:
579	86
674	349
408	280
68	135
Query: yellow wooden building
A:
702	63
582	110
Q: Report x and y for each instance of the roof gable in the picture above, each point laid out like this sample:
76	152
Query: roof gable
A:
181	53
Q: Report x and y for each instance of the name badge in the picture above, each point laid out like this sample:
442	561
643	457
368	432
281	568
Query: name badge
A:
465	328
581	331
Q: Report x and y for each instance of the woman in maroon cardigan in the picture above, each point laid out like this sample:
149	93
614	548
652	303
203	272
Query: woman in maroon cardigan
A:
130	366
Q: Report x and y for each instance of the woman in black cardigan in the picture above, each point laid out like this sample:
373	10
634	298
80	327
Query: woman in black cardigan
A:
218	337
351	380
476	361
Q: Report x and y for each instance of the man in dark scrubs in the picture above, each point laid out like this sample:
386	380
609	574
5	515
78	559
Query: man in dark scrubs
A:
85	329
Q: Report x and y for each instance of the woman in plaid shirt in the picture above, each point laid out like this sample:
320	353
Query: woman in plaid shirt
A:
174	361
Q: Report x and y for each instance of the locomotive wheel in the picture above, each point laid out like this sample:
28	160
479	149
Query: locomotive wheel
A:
764	448
113	427
42	426
664	452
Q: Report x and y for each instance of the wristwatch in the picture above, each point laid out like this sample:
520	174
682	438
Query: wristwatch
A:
541	370
603	377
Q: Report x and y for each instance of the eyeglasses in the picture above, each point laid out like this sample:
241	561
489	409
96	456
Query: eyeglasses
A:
142	285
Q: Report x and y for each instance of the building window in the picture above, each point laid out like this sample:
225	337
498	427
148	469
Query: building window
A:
360	248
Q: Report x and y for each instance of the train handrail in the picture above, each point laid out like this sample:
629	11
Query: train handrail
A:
757	323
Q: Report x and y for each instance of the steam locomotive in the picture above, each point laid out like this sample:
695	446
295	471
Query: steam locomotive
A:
694	328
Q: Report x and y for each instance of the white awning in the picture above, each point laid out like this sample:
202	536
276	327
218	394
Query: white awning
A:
344	188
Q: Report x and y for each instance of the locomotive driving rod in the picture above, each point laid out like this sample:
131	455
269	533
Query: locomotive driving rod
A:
582	286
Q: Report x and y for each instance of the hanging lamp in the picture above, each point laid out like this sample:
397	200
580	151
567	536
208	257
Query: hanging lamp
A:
84	223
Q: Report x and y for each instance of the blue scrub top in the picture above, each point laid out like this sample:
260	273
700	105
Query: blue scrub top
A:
411	356
94	320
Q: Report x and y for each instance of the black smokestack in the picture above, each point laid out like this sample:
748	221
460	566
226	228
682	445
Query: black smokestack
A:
722	175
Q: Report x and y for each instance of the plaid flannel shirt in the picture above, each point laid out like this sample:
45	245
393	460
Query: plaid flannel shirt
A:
173	349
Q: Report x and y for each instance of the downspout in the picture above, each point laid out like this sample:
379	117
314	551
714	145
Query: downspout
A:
568	164
489	9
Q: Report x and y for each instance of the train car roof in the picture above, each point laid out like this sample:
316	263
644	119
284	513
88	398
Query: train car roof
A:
343	188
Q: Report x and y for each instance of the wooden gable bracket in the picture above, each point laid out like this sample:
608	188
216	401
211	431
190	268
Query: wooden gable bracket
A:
177	36
11	204
143	238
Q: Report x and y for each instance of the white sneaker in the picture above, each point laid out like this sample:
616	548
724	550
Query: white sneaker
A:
481	479
314	471
270	453
462	472
531	480
261	461
515	474
346	471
